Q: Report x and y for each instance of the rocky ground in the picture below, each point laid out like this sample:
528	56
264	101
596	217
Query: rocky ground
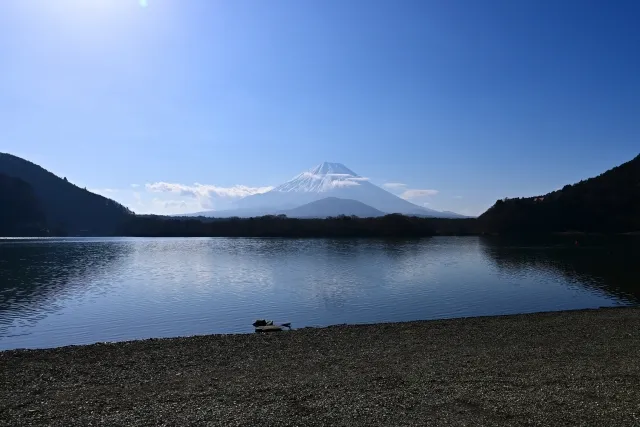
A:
568	368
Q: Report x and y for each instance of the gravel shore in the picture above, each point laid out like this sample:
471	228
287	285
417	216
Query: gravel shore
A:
565	368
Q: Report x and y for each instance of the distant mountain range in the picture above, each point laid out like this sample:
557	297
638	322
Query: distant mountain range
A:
327	180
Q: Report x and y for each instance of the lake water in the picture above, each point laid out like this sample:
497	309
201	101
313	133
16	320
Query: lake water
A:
56	292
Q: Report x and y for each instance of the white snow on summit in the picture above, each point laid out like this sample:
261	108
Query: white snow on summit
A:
322	178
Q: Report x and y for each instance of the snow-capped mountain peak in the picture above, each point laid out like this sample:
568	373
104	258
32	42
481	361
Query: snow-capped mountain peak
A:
322	178
323	181
331	168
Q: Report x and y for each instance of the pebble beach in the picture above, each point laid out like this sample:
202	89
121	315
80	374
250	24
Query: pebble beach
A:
552	369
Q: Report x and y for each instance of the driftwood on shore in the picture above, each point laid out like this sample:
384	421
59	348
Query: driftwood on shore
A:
263	325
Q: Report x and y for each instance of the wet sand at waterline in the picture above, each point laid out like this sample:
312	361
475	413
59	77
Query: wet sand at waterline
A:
562	368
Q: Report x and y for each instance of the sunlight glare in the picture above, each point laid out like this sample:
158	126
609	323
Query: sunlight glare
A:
91	21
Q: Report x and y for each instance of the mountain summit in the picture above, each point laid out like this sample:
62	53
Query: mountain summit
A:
329	168
326	180
321	179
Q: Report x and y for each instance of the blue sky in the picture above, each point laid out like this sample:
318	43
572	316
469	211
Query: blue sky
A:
473	100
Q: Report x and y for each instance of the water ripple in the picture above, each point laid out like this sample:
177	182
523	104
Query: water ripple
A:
75	291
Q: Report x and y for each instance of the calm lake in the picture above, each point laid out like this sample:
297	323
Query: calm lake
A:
56	292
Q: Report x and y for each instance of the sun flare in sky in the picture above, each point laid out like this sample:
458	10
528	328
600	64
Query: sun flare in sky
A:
70	25
85	14
83	6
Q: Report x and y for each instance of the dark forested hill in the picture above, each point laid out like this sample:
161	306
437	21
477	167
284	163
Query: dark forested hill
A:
67	208
609	202
20	212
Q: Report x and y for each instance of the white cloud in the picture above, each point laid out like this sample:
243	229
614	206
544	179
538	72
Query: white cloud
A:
412	194
175	198
334	176
335	180
394	185
163	206
135	185
169	204
310	175
344	183
205	191
457	197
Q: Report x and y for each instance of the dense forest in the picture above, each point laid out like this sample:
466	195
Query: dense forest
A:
394	225
68	208
608	203
20	211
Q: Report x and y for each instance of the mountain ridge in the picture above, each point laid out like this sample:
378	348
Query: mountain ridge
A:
67	207
609	202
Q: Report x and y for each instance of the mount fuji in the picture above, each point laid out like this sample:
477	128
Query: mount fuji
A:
327	180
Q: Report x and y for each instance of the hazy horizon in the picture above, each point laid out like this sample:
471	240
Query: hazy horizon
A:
174	107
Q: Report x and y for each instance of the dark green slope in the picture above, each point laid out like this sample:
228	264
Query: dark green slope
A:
20	211
67	208
609	202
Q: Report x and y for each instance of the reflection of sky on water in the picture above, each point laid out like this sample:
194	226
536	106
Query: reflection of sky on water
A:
78	291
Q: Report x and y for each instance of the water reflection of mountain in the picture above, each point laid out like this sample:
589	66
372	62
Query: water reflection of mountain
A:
37	274
605	264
